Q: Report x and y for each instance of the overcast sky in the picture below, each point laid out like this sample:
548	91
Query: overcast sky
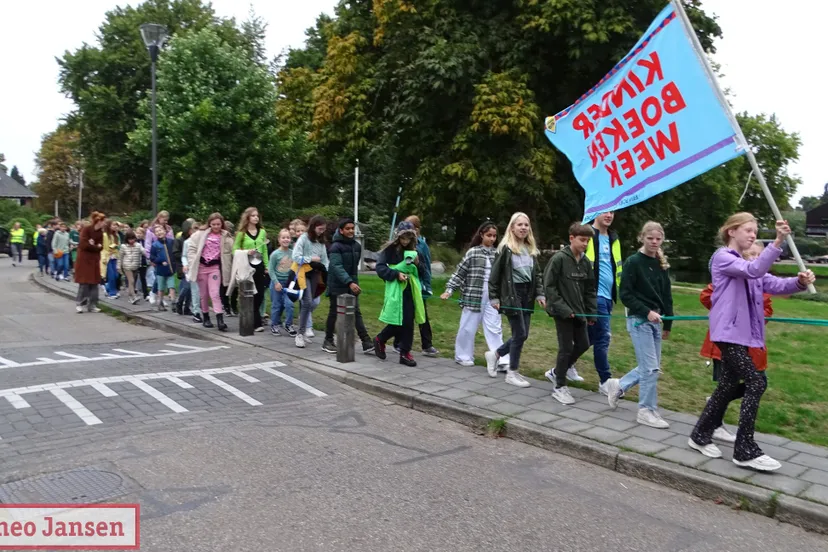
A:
767	55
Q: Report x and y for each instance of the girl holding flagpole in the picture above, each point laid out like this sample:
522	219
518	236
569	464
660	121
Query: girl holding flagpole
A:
737	323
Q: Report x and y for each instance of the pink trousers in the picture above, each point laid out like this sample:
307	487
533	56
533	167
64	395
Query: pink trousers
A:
209	285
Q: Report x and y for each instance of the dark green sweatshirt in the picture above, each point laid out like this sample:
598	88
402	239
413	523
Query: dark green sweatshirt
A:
645	287
569	285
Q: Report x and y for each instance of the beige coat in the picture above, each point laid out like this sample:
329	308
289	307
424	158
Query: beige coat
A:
196	246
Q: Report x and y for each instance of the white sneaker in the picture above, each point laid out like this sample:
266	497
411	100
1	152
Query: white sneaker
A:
763	463
711	450
602	389
152	299
300	341
722	434
465	363
309	333
491	363
572	375
79	309
550	375
613	390
514	378
651	418
562	395
95	310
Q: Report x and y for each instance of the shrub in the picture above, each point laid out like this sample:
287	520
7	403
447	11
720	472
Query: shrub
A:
446	255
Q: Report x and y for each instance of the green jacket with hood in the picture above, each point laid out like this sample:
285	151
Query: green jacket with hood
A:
569	285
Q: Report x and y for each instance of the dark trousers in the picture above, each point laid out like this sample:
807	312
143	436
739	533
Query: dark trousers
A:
258	299
87	296
185	297
573	341
519	322
17	251
142	276
403	334
330	325
426	335
736	365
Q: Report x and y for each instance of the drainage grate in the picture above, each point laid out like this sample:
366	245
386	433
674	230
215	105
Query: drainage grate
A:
77	486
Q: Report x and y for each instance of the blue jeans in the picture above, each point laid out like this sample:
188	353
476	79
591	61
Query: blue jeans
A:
62	266
599	337
51	269
42	262
112	277
646	340
280	303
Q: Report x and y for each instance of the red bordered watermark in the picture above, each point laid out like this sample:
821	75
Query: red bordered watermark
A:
70	526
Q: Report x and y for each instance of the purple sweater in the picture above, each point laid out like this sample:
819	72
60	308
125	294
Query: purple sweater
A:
737	315
150	238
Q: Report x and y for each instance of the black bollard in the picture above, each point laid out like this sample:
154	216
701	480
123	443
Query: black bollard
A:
247	290
345	323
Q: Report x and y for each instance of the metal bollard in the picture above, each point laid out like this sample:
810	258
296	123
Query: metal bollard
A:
247	290
345	322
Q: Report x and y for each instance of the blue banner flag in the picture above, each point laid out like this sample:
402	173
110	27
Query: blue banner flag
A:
655	121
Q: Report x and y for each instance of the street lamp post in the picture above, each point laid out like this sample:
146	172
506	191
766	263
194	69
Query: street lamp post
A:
154	36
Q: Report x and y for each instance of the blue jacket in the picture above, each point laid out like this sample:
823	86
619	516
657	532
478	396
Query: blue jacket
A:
425	273
42	245
158	255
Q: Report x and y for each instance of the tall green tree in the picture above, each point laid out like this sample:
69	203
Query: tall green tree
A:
15	174
221	150
109	79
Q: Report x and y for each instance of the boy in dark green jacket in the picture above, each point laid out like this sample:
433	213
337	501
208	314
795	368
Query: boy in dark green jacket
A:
569	286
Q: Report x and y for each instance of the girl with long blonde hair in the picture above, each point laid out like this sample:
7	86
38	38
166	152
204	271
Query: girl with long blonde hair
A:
646	292
515	283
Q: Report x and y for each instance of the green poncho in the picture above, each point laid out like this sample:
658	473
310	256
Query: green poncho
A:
392	306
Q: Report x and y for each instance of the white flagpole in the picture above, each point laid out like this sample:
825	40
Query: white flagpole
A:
739	134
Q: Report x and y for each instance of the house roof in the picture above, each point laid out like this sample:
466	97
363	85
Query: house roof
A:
12	189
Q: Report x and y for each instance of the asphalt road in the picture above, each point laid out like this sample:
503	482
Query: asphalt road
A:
242	457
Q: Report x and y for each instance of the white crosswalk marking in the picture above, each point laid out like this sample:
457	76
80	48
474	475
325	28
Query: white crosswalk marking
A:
133	353
17	401
294	381
229	388
103	389
157	395
6	363
69	358
76	407
70	355
179	382
245	377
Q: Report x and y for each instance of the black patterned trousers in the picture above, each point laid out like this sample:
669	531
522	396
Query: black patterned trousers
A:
736	365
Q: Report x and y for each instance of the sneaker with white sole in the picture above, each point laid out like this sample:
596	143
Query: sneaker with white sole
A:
513	377
309	333
572	375
466	363
711	450
79	309
550	375
614	392
763	463
300	341
491	363
651	418
152	299
562	395
602	389
722	434
95	310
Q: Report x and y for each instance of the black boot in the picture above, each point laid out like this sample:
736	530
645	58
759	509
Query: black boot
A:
220	321
197	319
207	323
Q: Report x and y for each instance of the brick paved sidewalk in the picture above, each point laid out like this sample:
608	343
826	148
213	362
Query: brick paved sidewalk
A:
804	472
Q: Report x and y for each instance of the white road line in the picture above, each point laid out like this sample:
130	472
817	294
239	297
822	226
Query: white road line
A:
294	381
190	347
167	351
17	401
76	407
102	389
245	377
179	382
157	395
227	387
133	353
42	361
70	355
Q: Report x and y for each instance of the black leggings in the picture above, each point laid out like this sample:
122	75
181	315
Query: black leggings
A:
519	321
736	365
404	333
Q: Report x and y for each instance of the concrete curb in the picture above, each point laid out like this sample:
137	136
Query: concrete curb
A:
808	515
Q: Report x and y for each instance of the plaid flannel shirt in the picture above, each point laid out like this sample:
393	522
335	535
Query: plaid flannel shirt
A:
470	277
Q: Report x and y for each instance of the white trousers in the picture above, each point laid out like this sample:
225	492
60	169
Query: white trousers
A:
469	322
